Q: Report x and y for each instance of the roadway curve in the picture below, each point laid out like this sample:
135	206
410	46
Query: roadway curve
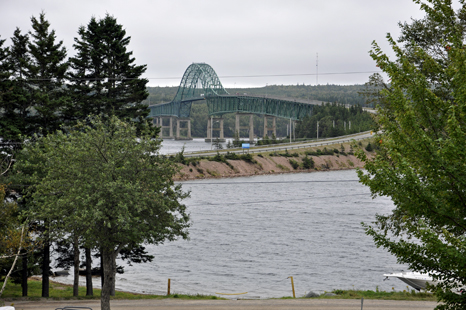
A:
285	146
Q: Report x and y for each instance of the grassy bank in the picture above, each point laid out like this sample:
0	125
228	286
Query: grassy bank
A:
404	295
64	291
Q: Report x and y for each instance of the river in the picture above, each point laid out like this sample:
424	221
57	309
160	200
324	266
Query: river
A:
249	234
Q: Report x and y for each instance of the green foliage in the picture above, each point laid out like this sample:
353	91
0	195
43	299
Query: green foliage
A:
325	151
107	185
369	147
248	158
65	292
217	144
334	120
179	157
420	164
308	163
116	89
293	163
32	79
339	94
381	295
232	156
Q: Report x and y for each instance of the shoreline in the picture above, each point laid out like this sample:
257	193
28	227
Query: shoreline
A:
264	165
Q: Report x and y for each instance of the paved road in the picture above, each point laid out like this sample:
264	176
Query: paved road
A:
269	304
287	146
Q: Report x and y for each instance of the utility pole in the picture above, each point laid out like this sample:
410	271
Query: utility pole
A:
317	130
290	130
211	126
317	69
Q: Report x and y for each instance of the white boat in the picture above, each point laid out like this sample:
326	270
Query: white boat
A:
415	279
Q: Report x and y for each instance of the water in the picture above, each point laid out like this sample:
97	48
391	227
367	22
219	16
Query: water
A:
249	237
170	146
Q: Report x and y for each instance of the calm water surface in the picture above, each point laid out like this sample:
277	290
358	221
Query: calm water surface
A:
249	234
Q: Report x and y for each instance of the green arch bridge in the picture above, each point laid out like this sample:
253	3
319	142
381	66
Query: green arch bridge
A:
200	82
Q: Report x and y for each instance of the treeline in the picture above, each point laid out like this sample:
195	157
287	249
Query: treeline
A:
345	94
334	120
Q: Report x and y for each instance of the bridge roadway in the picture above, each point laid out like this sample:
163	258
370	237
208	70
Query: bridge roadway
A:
285	146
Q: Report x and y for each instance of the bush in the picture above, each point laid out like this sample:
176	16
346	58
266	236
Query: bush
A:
231	156
294	164
369	147
248	158
308	163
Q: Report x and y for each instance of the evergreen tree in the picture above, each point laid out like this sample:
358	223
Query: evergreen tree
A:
15	102
5	86
104	79
46	72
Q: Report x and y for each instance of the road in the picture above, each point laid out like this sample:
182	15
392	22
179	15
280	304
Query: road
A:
285	146
268	304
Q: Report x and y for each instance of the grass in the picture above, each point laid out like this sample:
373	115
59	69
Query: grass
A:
357	294
64	291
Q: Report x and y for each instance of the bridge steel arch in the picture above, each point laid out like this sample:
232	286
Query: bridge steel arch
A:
200	82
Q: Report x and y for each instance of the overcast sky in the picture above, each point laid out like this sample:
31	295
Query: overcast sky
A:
237	38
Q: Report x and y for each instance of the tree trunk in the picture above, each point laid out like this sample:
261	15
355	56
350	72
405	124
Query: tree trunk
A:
114	277
108	258
76	267
24	273
101	269
46	268
89	289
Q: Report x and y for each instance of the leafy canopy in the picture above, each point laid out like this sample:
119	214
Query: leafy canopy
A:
106	183
422	136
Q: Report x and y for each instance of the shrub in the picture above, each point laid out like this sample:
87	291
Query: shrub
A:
231	156
294	164
308	163
369	147
248	158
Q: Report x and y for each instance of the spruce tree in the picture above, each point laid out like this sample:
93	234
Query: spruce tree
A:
104	79
5	85
16	103
46	72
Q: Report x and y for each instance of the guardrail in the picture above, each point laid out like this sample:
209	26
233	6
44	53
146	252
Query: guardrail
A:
279	147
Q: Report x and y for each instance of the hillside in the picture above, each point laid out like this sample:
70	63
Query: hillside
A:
346	94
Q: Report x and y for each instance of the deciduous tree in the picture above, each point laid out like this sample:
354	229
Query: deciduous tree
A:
107	184
421	149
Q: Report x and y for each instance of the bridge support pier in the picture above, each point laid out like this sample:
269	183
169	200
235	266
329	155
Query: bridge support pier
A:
159	122
178	129
250	127
211	129
266	125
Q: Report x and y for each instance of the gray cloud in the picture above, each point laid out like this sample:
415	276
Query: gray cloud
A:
237	38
